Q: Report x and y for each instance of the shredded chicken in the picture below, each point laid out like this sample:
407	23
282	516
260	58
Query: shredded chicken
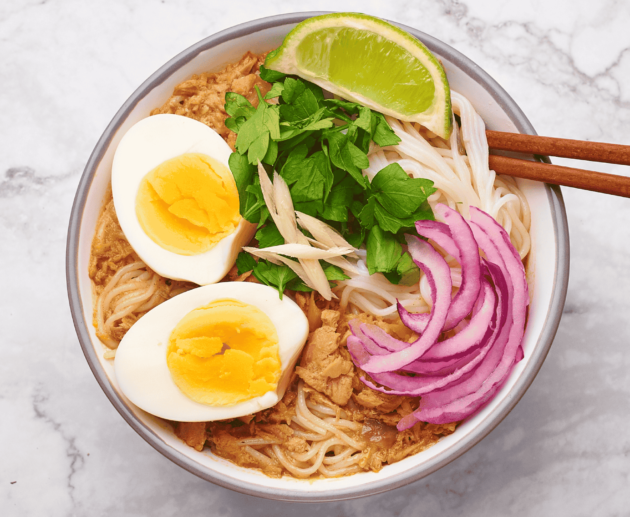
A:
332	382
202	97
325	366
192	434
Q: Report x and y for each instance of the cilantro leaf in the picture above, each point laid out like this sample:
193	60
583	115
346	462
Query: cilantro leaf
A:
364	120
398	193
334	273
255	133
293	167
317	91
391	172
362	140
321	166
276	91
350	107
273	275
272	153
355	238
297	284
366	216
383	251
387	221
423	213
243	173
408	271
339	199
271	76
302	106
269	235
235	124
345	155
258	147
314	122
238	106
311	208
382	133
245	262
293	88
254	203
312	177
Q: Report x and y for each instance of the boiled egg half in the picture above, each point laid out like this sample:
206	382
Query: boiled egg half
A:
219	351
176	199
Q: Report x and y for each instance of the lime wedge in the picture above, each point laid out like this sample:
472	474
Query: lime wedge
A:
369	61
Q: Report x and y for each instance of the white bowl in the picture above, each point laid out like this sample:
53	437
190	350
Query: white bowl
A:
548	271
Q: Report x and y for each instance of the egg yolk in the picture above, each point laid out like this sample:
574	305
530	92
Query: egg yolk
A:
224	353
188	204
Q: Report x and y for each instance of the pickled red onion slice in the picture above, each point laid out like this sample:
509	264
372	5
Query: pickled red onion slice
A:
468	256
456	376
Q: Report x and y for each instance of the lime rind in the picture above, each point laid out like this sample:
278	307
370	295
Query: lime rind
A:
437	117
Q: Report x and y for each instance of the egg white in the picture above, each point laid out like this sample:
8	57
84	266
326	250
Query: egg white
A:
146	145
143	375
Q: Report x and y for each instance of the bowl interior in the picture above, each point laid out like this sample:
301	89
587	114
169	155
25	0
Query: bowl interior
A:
544	273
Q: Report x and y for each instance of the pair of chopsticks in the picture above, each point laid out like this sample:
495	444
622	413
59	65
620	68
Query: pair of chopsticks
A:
566	176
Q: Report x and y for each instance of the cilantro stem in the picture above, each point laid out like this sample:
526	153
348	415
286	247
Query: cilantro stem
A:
260	97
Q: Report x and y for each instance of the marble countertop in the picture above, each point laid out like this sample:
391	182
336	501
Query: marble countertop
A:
67	66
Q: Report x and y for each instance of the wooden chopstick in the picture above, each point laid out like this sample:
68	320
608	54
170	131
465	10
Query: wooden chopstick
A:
561	147
566	176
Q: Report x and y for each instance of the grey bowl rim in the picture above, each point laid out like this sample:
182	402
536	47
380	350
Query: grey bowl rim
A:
550	326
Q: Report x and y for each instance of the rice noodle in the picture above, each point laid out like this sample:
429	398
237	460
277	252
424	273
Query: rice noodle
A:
131	291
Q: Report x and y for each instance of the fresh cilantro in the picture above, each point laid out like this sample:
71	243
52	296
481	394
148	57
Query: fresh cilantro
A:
339	200
297	284
311	208
356	236
274	276
366	216
272	153
243	173
238	106
409	272
406	273
398	193
320	146
303	107
276	91
345	155
383	251
255	210
245	262
293	167
293	88
254	135
334	273
382	133
235	124
271	76
364	120
349	107
268	236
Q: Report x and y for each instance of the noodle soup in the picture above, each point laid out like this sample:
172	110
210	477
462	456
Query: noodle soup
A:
328	423
396	473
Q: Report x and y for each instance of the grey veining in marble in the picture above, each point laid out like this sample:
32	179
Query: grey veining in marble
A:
66	67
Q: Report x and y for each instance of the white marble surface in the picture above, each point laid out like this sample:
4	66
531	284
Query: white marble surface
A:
66	67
